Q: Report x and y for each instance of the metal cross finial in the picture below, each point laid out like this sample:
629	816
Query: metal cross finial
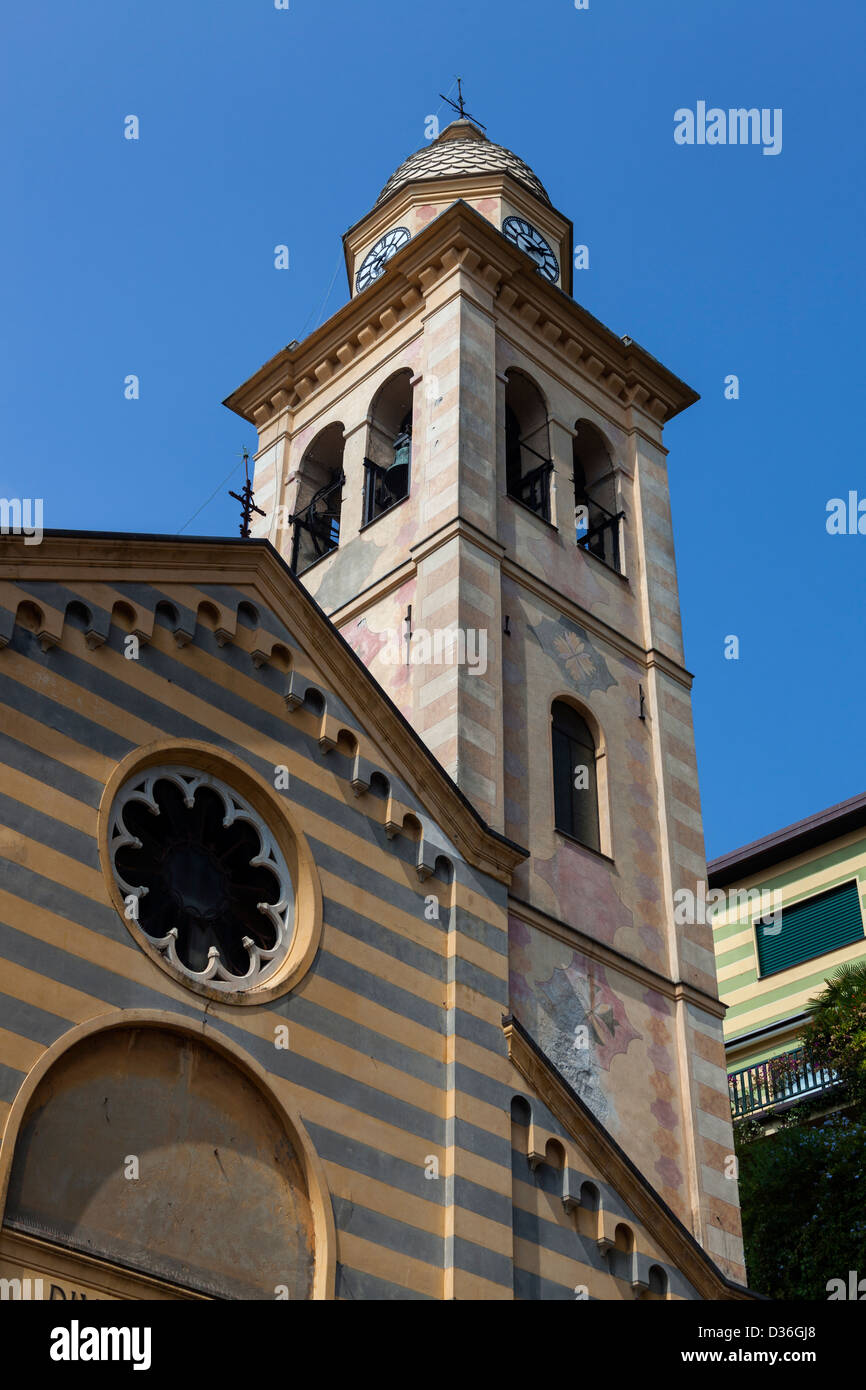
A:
246	500
460	107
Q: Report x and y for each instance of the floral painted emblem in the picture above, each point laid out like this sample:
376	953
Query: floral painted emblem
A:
576	655
582	665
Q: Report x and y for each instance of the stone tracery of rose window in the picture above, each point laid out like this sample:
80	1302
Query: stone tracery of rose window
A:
208	884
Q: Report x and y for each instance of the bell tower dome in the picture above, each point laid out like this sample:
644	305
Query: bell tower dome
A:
461	163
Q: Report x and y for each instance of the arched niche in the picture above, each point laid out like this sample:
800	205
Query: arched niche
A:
148	1143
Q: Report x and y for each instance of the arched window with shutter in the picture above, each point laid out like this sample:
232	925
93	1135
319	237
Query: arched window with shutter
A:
575	776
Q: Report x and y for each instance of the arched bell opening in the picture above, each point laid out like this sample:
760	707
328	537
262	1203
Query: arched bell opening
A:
528	464
388	463
316	519
596	515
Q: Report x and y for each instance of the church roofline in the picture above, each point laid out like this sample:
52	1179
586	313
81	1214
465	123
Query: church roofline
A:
460	236
615	1166
95	555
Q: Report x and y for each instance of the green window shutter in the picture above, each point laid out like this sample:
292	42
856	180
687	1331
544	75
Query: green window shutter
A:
810	928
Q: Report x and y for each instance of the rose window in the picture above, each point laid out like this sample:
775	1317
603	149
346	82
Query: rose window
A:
202	876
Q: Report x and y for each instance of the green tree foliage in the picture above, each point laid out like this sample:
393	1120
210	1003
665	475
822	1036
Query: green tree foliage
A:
836	1033
803	1196
803	1189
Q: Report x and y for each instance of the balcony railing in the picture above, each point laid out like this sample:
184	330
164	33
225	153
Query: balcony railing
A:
599	533
533	489
777	1081
316	528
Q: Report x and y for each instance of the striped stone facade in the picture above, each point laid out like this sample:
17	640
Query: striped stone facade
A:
444	1156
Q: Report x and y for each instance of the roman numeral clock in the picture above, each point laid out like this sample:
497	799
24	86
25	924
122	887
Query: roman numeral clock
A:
516	229
379	255
530	240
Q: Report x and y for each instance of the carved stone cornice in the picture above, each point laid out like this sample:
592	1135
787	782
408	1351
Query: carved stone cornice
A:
460	239
459	527
676	990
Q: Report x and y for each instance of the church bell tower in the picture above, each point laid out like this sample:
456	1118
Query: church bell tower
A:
466	470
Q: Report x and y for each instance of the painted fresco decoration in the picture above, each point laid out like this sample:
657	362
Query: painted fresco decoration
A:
575	1016
566	1035
580	662
373	643
358	564
604	1015
330	588
583	880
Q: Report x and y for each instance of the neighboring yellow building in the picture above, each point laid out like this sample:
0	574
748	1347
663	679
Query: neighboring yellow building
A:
787	912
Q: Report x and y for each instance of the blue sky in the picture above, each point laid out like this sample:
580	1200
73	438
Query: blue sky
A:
261	127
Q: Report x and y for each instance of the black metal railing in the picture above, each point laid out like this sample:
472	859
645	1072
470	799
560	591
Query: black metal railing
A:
597	530
383	487
776	1081
533	489
316	528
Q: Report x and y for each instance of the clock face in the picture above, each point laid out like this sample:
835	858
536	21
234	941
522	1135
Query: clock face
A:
530	240
378	256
